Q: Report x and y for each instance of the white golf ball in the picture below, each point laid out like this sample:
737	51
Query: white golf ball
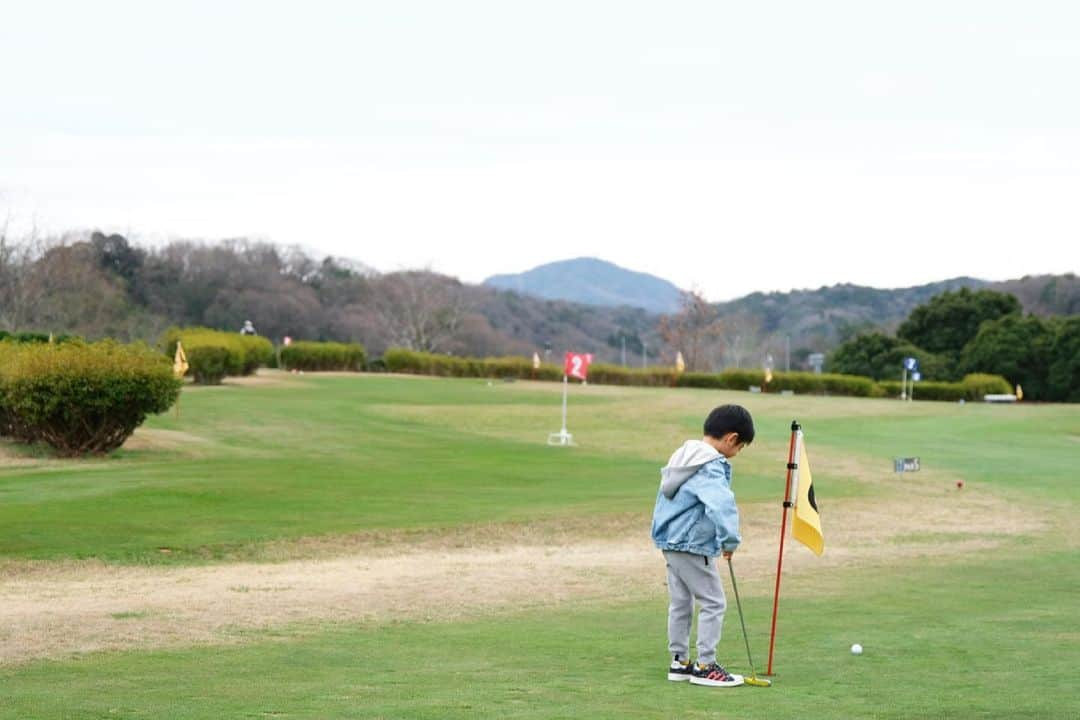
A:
856	649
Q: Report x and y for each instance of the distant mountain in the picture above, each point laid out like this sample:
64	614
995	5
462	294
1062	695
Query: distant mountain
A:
591	281
787	325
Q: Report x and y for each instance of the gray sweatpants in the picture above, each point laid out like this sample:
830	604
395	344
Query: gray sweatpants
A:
691	577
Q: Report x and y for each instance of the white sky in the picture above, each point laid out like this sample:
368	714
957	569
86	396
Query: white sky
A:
727	146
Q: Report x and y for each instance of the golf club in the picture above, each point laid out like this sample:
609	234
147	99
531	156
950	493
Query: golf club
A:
753	679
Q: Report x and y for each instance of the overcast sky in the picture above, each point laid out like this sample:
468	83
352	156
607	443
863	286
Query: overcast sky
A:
725	146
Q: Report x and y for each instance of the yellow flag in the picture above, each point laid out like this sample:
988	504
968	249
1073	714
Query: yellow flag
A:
536	361
768	375
806	527
680	365
180	364
1019	392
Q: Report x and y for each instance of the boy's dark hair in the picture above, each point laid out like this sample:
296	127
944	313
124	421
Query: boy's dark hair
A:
730	419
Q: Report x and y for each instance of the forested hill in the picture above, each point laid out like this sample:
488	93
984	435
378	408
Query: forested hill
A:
97	285
824	316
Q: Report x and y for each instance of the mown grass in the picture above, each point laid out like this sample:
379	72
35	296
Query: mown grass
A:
340	456
990	635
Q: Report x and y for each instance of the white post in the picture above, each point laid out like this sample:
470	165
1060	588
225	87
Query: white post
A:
903	384
562	437
565	385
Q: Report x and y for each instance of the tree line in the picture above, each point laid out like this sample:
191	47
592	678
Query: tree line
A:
99	285
984	331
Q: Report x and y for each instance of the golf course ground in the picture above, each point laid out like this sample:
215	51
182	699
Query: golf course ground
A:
376	546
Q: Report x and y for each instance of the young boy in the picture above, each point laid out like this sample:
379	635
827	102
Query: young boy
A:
694	521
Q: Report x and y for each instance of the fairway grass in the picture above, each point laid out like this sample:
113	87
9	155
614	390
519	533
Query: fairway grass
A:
993	637
964	599
341	455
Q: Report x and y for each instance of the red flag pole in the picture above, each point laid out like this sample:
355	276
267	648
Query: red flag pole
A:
791	466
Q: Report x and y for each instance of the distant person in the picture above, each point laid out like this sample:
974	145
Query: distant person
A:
695	520
248	329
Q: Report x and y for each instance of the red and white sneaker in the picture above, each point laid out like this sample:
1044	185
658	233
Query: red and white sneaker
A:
714	675
679	669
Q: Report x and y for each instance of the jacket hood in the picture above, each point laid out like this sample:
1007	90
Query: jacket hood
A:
683	463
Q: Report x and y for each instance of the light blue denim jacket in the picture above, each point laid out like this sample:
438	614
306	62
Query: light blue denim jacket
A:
700	517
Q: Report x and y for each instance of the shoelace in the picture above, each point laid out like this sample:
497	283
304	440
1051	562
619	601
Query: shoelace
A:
719	670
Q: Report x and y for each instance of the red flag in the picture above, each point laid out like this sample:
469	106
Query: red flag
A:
576	365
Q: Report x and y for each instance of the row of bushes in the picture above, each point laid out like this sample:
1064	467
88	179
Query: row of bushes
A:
419	363
213	354
316	356
804	383
81	398
35	337
973	387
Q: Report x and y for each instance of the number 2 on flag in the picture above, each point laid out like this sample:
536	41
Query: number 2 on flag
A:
577	365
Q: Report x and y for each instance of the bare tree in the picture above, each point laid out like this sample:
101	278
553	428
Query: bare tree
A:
741	336
418	309
70	292
692	329
16	289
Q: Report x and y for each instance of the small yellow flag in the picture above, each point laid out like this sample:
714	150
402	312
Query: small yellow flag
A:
1019	392
768	375
180	363
806	526
536	361
680	364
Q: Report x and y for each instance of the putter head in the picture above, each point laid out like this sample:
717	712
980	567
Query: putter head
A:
757	682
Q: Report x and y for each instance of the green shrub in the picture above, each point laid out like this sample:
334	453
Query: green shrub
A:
737	379
803	383
36	337
82	398
976	385
406	361
604	374
244	353
208	364
927	390
400	360
258	352
323	356
972	387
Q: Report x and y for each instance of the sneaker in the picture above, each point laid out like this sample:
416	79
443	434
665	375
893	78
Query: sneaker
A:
679	670
714	675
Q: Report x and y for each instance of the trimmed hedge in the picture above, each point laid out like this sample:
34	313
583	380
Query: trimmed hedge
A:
799	382
972	387
604	374
35	337
316	356
208	364
399	360
81	398
979	384
244	354
407	361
